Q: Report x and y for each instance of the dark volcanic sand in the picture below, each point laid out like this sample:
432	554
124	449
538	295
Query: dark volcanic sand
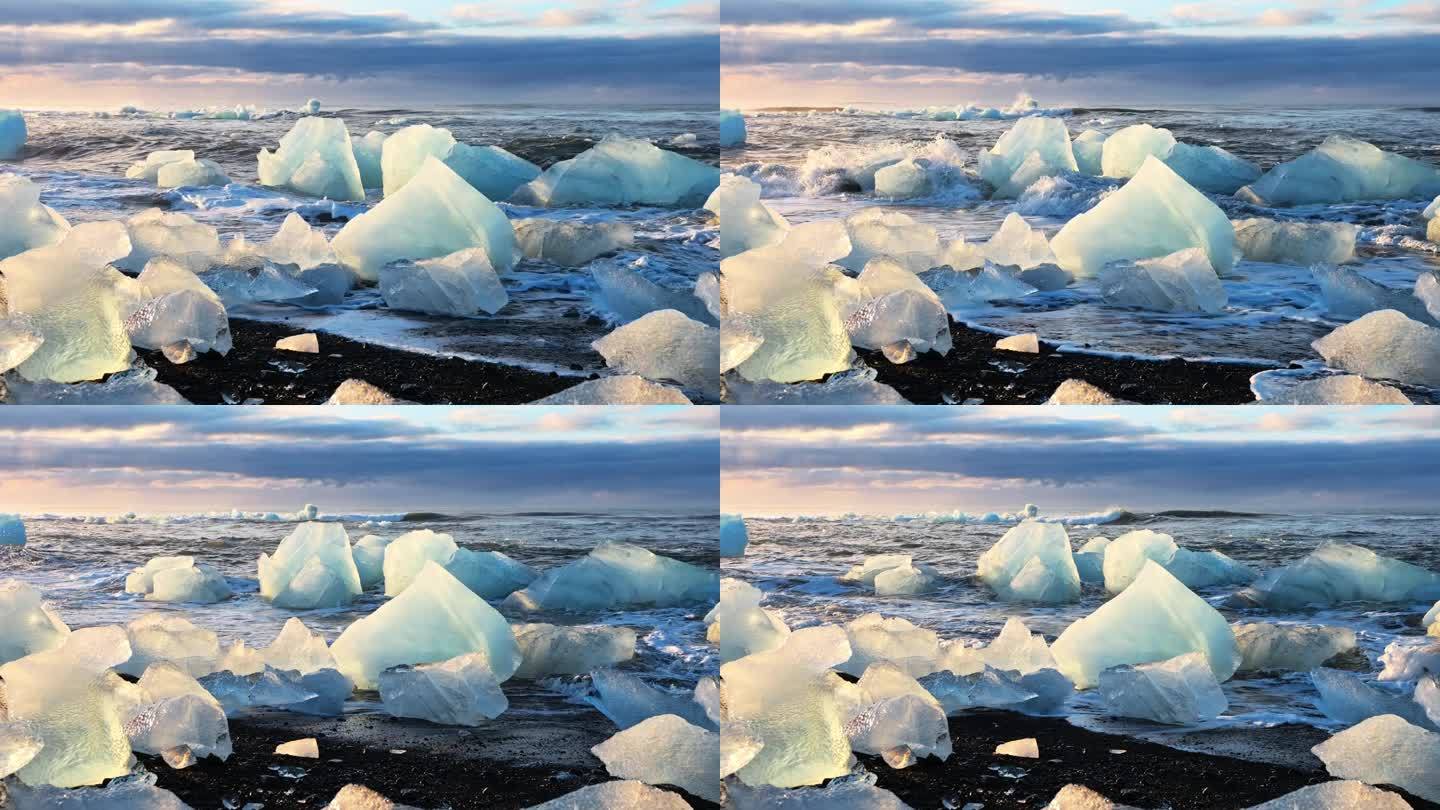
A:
974	369
512	762
1147	775
247	372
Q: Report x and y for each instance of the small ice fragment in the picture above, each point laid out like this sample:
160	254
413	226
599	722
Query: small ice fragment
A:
1079	392
312	567
1386	750
461	691
307	343
461	284
691	761
359	392
666	345
306	747
571	244
1028	343
1028	747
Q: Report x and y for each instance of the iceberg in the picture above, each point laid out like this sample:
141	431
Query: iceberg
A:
149	168
1177	691
1343	169
1341	572
163	637
571	244
873	638
312	567
1298	243
895	717
1155	214
876	232
29	223
691	761
155	233
619	795
903	180
27	624
13	134
733	536
1210	168
1031	562
406	151
1090	559
461	284
192	173
1385	344
12	531
1180	282
177	310
493	171
437	618
1386	750
622	171
548	649
73	702
1128	553
1294	647
369	553
1032	148
624	389
745	222
906	580
742	626
1347	698
367	152
615	575
1126	150
627	700
177	579
461	691
491	574
1089	150
1155	619
666	345
791	703
1017	244
436	214
315	157
172	710
1336	795
732	128
1347	294
627	295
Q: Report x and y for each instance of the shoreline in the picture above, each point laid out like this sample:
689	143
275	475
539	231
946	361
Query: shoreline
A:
510	762
970	371
247	372
1146	774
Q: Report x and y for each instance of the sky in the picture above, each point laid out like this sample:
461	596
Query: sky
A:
913	53
164	460
887	461
166	54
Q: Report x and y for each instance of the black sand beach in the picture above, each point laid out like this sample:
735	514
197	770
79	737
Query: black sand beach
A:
255	369
975	370
1126	770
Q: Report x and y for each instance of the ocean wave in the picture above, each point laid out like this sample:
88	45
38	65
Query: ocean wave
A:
1064	195
1112	515
1023	106
308	513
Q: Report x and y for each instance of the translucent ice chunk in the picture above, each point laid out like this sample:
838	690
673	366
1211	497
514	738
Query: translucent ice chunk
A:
1180	282
907	579
1031	562
149	168
733	536
619	795
617	575
914	317
157	233
19	338
306	343
1028	748
743	626
873	638
367	157
307	747
1126	150
12	532
1179	691
174	710
1335	389
1018	650
622	171
1028	343
193	173
296	243
838	794
27	624
369	552
1386	750
874	566
1090	559
1348	294
624	389
120	794
1407	661
312	567
29	223
296	648
13	134
1298	243
691	761
493	171
547	649
1046	139
732	128
1343	169
460	284
18	745
315	157
903	180
157	637
666	345
879	232
571	244
1347	698
1341	572
1089	147
745	221
1127	555
359	392
1154	619
1155	214
1016	244
436	214
1385	344
461	691
1210	168
176	307
406	151
1298	647
625	293
989	687
1336	795
177	579
435	619
491	574
627	700
908	721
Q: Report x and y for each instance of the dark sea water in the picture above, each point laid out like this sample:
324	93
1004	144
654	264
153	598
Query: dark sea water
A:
1274	311
79	158
796	560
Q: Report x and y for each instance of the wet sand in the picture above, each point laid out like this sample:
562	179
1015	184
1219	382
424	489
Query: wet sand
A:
974	369
1262	764
255	369
511	762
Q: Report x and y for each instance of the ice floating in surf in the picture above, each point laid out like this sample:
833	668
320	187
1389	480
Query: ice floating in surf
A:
461	284
1031	562
12	528
435	619
1298	243
1290	647
1183	281
1346	697
1179	691
12	134
691	761
1385	344
1128	554
617	575
1341	572
461	691
1089	150
491	170
622	171
491	574
436	214
745	221
177	579
312	567
666	345
1125	151
1386	750
571	244
623	292
742	626
906	580
903	180
29	223
1032	148
548	649
27	624
732	128
315	157
368	151
733	536
1154	619
1155	214
1343	169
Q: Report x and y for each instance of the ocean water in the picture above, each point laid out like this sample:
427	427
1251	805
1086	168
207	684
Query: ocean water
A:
1274	313
796	562
80	160
79	563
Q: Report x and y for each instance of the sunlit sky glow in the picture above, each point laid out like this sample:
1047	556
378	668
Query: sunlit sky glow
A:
1067	52
161	460
164	54
884	461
